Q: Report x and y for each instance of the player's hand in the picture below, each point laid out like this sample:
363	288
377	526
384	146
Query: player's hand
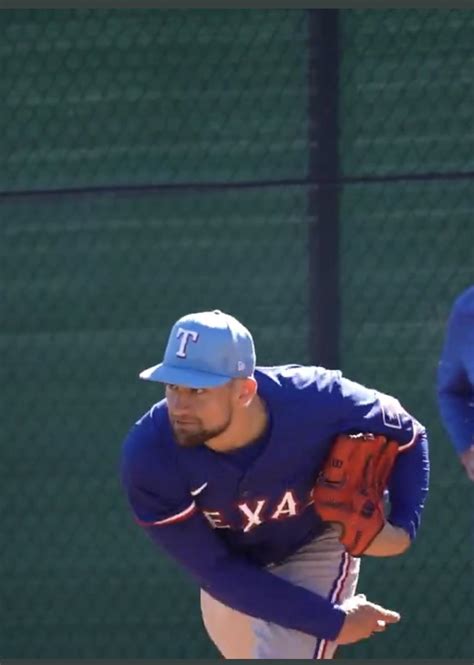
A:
363	619
467	459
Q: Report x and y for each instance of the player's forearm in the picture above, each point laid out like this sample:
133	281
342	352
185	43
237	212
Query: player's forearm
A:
408	488
392	540
263	595
245	587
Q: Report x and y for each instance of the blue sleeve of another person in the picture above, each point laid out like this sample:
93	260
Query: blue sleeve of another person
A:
455	378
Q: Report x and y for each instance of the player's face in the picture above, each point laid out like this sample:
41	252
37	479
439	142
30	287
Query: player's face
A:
199	414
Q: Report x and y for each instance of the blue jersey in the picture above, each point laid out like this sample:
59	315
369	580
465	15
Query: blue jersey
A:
226	516
456	373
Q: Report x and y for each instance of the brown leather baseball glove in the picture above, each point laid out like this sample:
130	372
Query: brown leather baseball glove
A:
349	489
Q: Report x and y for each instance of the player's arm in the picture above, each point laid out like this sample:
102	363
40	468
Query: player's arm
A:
392	540
240	584
454	390
256	592
408	488
358	408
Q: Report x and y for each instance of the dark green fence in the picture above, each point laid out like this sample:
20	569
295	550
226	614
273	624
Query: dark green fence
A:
156	162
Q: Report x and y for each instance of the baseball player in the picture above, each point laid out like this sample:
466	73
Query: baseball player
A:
220	475
455	380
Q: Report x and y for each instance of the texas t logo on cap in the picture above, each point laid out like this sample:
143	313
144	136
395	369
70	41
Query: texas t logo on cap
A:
186	336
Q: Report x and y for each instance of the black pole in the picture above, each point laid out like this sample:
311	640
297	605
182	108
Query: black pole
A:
323	201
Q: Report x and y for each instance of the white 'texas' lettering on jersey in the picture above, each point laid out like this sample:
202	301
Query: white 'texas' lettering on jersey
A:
253	516
216	519
257	512
288	507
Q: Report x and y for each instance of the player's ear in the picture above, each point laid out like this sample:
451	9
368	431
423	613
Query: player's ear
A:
245	390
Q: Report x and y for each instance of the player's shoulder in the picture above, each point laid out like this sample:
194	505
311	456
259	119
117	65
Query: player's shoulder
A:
294	381
149	444
464	303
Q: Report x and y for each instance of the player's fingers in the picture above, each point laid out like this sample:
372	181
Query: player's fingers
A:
389	616
380	626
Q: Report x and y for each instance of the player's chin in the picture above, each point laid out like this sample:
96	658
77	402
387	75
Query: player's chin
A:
185	437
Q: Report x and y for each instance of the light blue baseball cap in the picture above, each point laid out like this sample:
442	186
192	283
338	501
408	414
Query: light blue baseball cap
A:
205	350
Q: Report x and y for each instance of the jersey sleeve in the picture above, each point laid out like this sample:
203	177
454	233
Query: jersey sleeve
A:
356	408
359	408
240	584
155	488
454	389
408	487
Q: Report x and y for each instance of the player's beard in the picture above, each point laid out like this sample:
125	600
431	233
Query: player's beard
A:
197	435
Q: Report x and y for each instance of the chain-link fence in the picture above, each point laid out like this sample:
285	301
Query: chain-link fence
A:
156	162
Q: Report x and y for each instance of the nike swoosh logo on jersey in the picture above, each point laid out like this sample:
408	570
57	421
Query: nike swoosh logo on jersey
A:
198	490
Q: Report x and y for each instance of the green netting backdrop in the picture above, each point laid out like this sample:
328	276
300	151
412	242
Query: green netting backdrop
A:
91	279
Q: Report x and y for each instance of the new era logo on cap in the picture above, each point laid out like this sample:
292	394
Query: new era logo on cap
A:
204	350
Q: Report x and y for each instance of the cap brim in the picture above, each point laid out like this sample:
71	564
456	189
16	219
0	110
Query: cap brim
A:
183	377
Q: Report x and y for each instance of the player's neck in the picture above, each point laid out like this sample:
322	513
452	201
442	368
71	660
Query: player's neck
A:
249	427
